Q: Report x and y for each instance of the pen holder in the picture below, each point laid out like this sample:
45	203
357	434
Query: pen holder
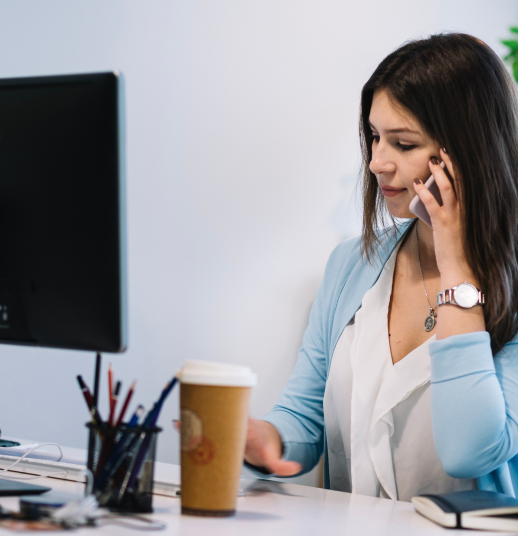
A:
122	462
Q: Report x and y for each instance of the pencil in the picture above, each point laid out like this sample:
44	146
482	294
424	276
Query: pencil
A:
114	402
110	388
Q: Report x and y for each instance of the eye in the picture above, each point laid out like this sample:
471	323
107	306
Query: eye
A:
404	147
375	137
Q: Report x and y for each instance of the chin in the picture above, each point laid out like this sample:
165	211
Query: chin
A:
400	211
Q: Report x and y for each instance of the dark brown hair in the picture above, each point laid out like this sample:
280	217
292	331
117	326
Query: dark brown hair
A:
460	92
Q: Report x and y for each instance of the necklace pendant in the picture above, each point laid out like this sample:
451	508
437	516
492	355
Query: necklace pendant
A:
429	322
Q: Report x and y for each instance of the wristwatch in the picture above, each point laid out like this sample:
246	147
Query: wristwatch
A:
463	295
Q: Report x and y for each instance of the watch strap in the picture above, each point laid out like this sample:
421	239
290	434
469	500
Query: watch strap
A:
448	296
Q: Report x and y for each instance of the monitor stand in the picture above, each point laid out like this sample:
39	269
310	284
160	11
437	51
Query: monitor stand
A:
95	396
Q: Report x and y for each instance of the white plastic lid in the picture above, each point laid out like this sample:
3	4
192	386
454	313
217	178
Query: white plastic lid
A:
210	373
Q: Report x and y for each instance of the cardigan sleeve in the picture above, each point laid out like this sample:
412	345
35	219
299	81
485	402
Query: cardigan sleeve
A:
474	404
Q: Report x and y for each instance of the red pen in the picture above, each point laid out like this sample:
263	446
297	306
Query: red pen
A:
126	403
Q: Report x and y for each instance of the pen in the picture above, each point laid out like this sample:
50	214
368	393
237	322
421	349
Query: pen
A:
113	405
86	392
151	419
126	403
136	416
154	412
118	455
158	406
96	417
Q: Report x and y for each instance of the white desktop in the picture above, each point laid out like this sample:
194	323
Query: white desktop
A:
266	506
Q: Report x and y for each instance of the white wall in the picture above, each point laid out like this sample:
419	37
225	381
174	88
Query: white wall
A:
242	158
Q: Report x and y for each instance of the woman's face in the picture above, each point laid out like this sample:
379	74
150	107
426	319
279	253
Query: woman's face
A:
400	153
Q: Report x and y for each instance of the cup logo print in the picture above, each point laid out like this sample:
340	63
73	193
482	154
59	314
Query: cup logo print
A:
204	452
191	426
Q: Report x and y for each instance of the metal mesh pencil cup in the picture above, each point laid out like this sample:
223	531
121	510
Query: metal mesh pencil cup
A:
122	462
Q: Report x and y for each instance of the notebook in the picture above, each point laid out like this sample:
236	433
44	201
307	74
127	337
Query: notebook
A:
475	509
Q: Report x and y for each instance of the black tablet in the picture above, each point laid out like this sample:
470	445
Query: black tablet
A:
14	487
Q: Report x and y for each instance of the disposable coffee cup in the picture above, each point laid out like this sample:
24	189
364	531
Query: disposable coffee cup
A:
214	400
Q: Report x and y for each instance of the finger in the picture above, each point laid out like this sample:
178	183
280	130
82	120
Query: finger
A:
274	463
427	198
449	199
284	467
445	157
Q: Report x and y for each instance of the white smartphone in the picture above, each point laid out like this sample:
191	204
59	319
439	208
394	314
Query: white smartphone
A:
417	206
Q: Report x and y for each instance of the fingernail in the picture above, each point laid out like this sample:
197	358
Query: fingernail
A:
418	181
434	161
444	150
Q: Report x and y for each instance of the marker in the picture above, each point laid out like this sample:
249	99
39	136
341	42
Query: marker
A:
86	392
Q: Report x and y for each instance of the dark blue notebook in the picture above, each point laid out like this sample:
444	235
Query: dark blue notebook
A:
482	510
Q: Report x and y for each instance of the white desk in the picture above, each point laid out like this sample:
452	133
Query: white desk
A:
270	508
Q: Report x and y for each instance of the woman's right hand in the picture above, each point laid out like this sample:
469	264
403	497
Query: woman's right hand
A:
264	449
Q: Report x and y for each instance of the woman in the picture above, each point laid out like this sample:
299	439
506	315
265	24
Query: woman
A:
404	395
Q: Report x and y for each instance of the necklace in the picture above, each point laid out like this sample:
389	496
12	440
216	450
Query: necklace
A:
430	320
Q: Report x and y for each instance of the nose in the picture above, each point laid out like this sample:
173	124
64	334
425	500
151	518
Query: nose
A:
381	161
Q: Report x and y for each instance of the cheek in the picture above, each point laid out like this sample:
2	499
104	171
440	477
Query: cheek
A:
417	167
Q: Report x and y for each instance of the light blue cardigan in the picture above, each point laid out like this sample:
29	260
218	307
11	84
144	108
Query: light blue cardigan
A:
474	396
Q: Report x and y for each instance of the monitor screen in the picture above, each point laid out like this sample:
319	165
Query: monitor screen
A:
62	260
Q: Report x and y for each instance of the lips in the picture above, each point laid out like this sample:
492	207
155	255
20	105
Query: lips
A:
391	192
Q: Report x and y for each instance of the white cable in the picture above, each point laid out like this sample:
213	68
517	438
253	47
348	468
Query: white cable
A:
39	445
89	482
131	521
77	512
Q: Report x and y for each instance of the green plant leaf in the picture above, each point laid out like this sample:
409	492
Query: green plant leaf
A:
515	70
512	44
514	29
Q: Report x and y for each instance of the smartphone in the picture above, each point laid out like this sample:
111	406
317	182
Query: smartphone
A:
417	206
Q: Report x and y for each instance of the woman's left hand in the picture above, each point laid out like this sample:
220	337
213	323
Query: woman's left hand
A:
448	234
447	225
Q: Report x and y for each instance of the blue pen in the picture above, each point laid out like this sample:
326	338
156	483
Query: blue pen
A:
136	417
116	457
152	417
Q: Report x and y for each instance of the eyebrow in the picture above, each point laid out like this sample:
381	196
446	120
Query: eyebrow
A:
397	130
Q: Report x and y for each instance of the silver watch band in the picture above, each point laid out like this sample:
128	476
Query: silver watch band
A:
448	296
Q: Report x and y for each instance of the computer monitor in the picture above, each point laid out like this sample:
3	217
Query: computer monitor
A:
62	254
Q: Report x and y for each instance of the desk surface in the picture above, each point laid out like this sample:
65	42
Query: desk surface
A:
269	508
273	508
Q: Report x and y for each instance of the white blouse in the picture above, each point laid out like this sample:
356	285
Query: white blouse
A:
377	414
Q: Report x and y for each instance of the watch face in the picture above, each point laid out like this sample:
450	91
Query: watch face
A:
466	295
